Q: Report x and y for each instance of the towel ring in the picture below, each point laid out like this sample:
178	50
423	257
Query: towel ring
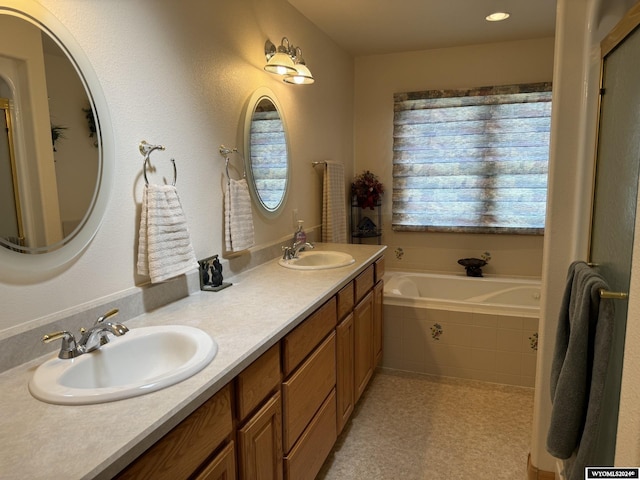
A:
225	152
145	150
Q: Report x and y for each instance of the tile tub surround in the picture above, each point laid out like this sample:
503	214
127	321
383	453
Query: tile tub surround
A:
487	347
262	306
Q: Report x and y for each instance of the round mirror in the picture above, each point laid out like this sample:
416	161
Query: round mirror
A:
54	178
266	152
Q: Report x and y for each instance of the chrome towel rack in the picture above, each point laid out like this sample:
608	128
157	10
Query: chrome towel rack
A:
145	150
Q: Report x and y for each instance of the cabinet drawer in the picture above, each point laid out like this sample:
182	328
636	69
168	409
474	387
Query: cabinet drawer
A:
257	381
306	459
364	283
180	452
307	388
379	269
304	338
345	300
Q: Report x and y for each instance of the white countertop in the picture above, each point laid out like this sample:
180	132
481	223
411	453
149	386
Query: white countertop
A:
43	441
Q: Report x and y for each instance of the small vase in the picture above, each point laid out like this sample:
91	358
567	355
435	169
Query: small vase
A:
473	266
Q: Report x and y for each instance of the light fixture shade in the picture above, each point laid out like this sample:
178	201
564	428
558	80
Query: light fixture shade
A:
301	77
497	16
280	64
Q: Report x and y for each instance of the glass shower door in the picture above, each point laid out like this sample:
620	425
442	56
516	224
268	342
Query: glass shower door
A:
10	225
614	211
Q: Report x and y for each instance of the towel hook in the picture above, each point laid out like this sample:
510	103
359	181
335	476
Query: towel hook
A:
145	150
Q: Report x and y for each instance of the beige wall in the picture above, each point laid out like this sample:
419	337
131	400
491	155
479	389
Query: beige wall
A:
180	74
378	77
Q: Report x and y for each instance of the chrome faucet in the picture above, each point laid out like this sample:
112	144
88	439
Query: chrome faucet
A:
96	336
291	252
91	339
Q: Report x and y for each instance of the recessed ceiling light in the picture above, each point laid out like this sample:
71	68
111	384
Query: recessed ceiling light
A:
497	16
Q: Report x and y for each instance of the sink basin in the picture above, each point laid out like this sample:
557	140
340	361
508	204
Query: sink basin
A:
318	260
144	360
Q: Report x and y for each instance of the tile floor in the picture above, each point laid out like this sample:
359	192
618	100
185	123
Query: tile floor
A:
419	427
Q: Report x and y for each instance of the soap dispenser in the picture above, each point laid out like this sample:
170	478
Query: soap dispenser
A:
300	236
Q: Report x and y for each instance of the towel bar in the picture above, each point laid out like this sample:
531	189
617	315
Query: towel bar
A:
606	293
614	295
315	164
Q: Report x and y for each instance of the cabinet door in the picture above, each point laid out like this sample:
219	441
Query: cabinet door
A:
222	467
260	443
378	314
344	371
363	341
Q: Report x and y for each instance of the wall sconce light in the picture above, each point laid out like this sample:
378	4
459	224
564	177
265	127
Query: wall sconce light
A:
286	60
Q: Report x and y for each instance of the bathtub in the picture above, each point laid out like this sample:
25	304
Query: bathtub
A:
498	295
459	326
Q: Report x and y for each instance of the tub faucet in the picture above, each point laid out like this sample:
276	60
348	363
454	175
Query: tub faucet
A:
91	339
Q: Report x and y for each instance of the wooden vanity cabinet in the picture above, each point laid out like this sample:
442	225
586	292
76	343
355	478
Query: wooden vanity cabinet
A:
192	444
378	309
259	415
363	331
306	389
359	337
222	467
308	393
363	341
280	417
299	343
305	460
344	356
260	443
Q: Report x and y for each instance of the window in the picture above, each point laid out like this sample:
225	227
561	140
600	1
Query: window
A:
472	160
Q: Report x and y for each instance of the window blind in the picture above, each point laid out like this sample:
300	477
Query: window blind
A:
472	160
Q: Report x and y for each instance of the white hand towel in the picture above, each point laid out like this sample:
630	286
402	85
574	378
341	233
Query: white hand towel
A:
334	216
238	217
164	249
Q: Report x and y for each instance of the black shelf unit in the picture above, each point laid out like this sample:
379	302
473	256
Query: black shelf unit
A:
366	224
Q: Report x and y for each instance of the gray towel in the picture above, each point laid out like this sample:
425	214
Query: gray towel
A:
578	371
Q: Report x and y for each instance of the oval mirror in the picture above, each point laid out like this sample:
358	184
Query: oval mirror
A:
266	152
53	174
